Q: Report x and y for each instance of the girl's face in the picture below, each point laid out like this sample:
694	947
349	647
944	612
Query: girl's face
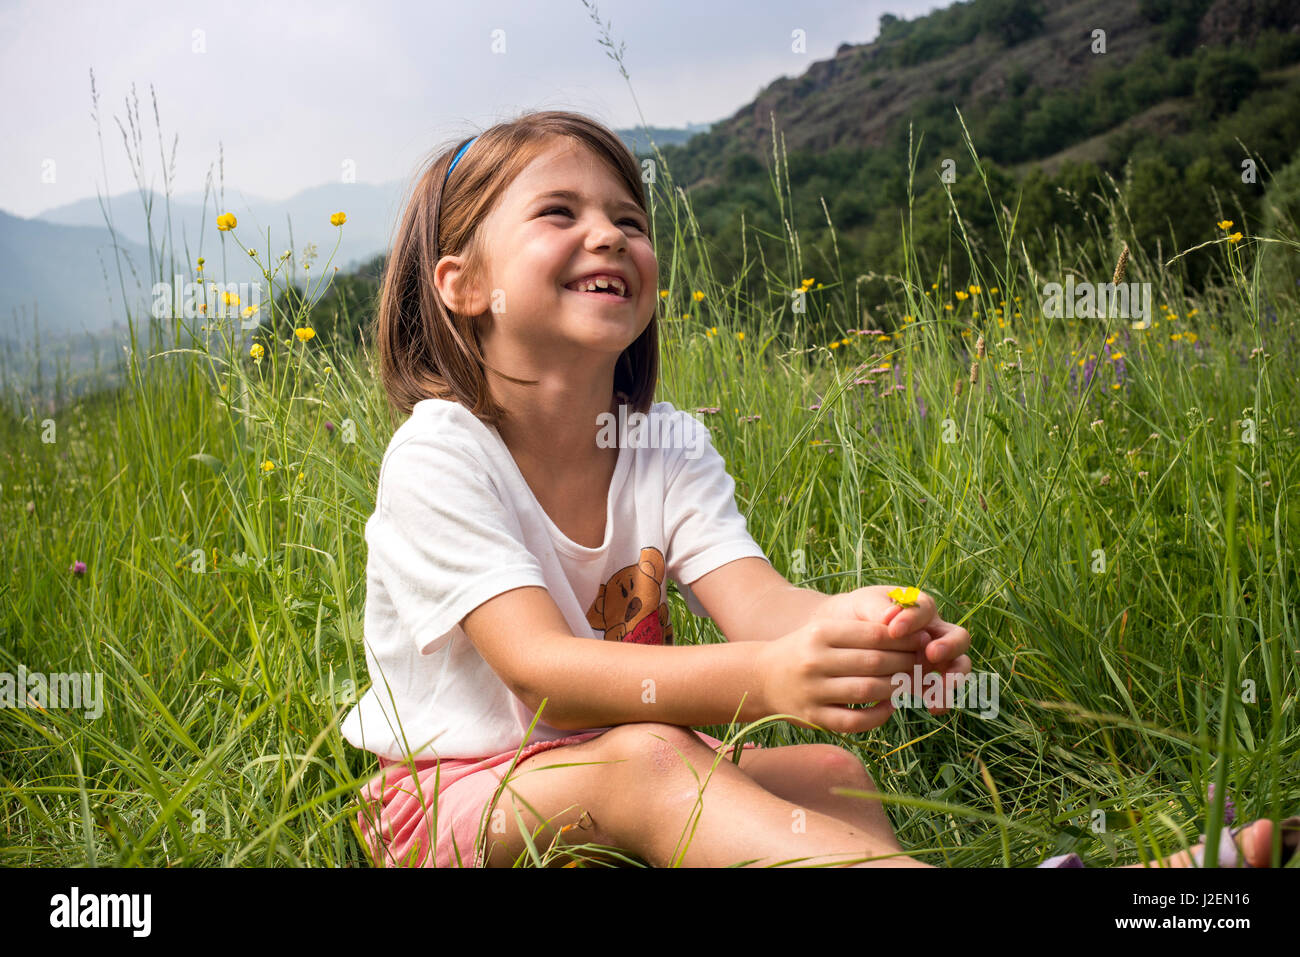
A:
537	242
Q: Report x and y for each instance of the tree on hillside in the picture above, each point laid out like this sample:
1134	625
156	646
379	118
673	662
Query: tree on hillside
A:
1011	21
1223	80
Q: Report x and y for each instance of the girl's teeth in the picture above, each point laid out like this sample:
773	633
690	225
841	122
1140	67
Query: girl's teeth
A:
602	285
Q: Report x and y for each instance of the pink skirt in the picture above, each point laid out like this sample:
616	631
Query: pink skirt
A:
410	814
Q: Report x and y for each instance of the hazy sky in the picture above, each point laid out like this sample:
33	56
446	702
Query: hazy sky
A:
293	90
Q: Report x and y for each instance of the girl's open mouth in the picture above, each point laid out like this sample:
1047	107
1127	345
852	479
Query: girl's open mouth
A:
608	294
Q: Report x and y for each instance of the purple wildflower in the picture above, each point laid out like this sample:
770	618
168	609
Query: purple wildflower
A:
329	426
921	405
1088	369
78	568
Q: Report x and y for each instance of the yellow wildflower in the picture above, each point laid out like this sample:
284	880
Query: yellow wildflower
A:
257	351
268	466
226	221
1235	238
740	336
304	334
961	296
338	219
905	596
1225	225
663	293
698	295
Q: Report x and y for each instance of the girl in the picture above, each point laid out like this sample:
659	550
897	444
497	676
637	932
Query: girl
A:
521	545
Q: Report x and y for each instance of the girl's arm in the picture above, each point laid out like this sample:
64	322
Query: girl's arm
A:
749	600
595	684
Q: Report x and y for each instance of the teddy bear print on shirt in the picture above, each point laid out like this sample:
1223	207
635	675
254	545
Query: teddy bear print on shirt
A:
630	606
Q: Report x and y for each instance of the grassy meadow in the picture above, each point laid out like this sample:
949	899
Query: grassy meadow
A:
1107	510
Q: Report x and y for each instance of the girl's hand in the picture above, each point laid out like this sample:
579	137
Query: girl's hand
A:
943	645
814	672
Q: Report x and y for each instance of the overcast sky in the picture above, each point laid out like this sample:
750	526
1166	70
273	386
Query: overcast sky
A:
293	90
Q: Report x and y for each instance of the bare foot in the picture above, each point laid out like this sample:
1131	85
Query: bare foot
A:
1254	847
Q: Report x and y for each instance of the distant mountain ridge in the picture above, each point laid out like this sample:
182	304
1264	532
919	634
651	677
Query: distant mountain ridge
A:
53	262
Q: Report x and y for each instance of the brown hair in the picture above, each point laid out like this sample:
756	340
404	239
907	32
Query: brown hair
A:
425	349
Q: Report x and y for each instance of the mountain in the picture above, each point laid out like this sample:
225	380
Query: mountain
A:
65	276
305	216
1007	64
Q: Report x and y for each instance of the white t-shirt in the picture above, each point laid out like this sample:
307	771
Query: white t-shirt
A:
455	524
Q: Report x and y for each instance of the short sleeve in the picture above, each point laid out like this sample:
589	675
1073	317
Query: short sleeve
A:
441	539
703	527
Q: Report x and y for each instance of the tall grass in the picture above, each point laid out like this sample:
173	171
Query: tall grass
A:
1116	547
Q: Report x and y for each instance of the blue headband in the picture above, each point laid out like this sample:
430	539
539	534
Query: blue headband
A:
459	153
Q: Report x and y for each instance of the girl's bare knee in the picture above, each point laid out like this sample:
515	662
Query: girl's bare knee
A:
655	749
841	767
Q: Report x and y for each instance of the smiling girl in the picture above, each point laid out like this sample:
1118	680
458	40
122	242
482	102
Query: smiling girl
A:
516	564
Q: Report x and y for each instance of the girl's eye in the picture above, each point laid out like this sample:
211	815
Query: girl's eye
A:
634	222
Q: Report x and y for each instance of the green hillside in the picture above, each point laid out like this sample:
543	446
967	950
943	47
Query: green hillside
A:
1184	92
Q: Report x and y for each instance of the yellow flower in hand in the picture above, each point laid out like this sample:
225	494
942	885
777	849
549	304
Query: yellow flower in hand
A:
905	596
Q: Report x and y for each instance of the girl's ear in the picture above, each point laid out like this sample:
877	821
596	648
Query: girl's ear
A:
449	276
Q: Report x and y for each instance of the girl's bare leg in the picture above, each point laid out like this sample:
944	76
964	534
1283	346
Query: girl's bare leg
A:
645	799
804	774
